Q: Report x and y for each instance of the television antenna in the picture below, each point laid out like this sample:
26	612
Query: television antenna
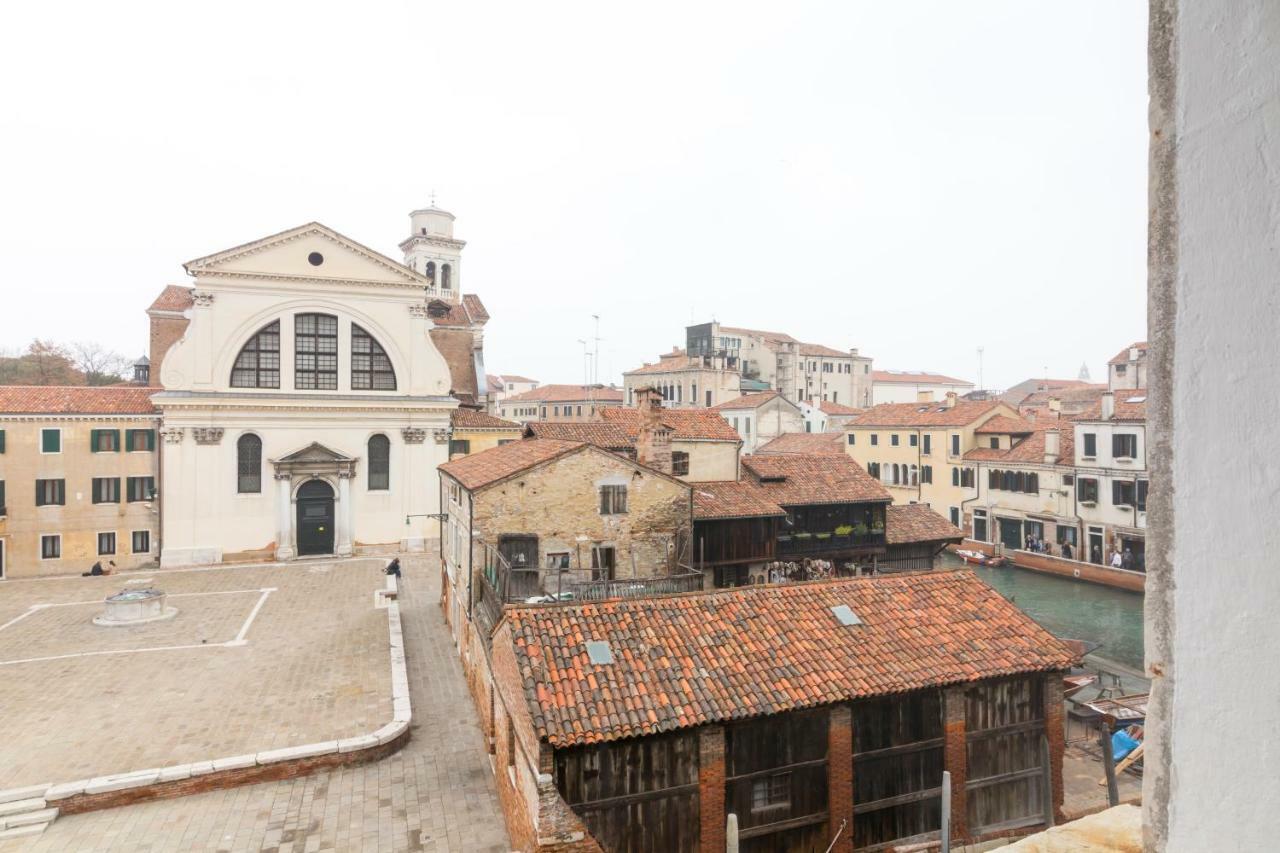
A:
981	386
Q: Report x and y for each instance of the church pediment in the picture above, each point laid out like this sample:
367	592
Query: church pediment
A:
309	251
314	452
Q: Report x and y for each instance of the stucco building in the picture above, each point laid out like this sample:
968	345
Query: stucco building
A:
685	381
761	417
473	432
1128	369
503	385
563	403
78	469
906	386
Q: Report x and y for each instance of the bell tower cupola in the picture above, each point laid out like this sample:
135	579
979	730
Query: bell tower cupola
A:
432	250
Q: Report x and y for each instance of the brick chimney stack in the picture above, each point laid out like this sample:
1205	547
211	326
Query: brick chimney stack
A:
653	442
951	399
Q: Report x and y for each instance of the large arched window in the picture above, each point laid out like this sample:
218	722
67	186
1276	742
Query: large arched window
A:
370	368
315	352
258	364
446	276
249	464
379	463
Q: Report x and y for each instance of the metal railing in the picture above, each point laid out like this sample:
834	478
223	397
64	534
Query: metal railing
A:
815	544
689	581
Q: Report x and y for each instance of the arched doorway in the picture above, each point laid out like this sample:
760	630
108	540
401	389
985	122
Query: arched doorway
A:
315	518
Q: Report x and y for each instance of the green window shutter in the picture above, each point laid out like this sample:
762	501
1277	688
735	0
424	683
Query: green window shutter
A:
1	441
50	441
94	441
116	435
128	439
151	439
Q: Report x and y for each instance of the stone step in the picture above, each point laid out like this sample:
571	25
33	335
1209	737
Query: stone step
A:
20	806
44	816
31	792
22	831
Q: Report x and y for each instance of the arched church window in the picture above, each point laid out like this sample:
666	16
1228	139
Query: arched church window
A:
379	463
370	368
446	276
258	364
430	272
315	352
249	464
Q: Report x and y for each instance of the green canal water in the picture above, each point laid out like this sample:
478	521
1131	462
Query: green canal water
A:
1069	608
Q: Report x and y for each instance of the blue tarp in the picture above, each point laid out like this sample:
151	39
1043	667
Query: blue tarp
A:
1122	745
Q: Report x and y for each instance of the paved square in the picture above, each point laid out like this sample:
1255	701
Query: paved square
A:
256	658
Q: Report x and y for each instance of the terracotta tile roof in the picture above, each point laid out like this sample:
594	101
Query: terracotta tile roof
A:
831	408
76	400
455	345
823	351
933	414
1072	394
511	377
910	523
608	436
909	377
475	308
1123	356
494	383
1130	406
687	660
732	499
747	401
677	359
1005	425
797	479
567	394
471	419
685	424
174	297
470	311
1031	448
498	463
819	443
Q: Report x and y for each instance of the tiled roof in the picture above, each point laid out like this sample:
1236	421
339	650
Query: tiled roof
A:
820	443
934	414
608	436
494	383
174	297
1130	406
1031	448
475	308
677	359
732	499
685	424
747	401
823	351
498	463
687	660
1005	425
470	311
1072	394
471	419
567	394
797	479
831	408
511	377
76	400
1123	356
915	378
910	523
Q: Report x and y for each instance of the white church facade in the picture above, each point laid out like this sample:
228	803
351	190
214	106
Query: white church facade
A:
306	390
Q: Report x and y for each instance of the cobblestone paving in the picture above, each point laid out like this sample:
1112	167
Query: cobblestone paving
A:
80	700
435	794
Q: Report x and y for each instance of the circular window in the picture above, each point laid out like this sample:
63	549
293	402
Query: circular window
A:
316	259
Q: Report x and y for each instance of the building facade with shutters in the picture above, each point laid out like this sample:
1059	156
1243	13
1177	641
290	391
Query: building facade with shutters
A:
78	468
306	393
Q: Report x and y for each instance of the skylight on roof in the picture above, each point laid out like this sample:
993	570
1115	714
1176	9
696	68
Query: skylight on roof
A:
845	614
599	652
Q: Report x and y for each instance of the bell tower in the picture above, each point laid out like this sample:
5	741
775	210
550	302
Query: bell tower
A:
431	249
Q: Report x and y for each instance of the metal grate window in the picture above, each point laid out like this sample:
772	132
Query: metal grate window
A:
249	464
258	364
379	463
370	368
315	352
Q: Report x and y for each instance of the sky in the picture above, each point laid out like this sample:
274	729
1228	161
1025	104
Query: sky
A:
916	180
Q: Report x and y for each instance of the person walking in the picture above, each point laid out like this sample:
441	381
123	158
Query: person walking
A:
393	568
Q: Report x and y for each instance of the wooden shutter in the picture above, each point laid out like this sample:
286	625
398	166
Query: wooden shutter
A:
1033	483
1117	493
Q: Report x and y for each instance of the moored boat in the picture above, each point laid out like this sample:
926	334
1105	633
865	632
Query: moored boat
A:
977	558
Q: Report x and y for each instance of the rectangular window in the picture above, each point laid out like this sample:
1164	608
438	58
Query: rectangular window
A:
955	476
1142	495
679	463
875	439
557	560
50	441
926	474
1090	445
106	490
913	440
893	440
771	792
51	492
1123	493
1124	446
140	440
955	516
955	444
1	441
746	423
603	560
966	478
1066	536
459	445
50	547
141	541
928	445
995	442
315	349
1087	489
851	438
104	440
141	489
613	500
106	544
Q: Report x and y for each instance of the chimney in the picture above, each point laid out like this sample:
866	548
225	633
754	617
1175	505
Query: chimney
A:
1108	406
924	396
653	440
1052	446
1133	353
951	399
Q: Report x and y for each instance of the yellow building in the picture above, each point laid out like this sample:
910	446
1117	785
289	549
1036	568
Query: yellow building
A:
916	449
78	474
474	431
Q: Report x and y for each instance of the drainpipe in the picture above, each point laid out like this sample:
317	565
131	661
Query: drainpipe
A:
470	550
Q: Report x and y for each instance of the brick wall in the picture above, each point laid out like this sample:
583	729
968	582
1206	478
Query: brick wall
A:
711	788
1055	732
955	758
840	776
165	332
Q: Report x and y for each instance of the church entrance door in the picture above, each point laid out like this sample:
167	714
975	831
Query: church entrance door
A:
315	518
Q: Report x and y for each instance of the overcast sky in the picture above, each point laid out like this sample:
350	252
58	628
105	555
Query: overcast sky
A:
915	180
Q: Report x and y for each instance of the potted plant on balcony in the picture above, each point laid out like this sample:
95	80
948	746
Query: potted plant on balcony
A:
843	531
860	530
823	536
803	535
877	527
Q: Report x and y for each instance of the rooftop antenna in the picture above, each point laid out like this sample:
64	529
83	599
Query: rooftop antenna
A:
980	385
433	197
595	373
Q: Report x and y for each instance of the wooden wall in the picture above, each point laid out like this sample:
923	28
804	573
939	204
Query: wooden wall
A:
897	767
1004	727
776	781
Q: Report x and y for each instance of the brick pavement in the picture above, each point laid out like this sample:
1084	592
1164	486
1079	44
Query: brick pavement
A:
436	794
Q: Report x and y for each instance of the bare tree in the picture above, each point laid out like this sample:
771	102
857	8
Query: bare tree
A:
99	365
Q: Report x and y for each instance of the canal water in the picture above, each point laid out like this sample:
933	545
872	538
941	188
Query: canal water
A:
1071	608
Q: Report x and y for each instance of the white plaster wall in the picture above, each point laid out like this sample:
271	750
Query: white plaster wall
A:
898	392
1212	627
